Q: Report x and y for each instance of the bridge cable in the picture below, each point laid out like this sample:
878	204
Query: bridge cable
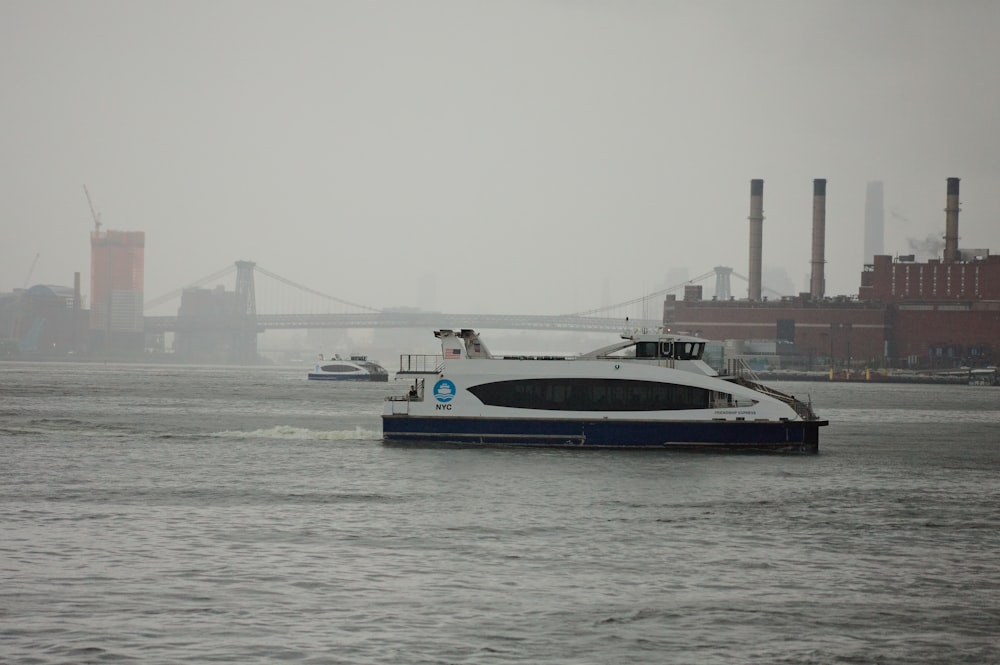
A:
314	292
634	301
155	302
763	288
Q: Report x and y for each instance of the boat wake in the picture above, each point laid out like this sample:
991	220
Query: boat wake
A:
287	432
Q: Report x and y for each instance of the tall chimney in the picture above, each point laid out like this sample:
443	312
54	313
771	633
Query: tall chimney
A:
77	304
951	223
756	235
817	283
874	221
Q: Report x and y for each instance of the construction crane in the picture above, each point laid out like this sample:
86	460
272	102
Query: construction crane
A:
31	270
93	213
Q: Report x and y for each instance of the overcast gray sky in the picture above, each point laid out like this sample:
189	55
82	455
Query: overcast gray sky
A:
521	157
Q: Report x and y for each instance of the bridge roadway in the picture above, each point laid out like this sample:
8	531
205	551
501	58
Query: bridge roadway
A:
424	320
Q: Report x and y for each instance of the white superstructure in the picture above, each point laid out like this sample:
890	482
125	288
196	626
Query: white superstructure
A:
647	390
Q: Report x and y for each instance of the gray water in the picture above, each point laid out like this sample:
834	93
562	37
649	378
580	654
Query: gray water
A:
154	514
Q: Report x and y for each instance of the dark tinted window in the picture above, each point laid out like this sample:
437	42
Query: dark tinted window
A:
592	395
645	349
688	350
339	368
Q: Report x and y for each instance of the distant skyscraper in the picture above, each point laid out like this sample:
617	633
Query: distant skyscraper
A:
874	222
116	288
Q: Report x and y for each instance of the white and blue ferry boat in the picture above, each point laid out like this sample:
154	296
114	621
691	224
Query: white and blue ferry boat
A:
649	390
355	368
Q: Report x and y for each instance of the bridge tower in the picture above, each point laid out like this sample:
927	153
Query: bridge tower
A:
722	291
244	325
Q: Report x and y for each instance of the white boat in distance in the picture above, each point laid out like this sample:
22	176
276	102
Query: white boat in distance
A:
650	390
356	368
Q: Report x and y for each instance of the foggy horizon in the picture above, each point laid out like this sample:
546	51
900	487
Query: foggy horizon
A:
525	157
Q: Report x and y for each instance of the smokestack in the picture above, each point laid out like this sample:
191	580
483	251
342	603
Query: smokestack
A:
951	222
756	235
874	221
77	304
817	283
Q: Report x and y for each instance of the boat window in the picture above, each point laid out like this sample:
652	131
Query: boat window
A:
568	394
722	400
689	350
645	349
339	368
667	349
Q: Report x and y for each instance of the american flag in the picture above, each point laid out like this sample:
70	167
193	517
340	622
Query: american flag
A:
452	353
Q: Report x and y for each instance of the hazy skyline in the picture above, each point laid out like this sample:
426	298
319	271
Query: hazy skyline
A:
511	157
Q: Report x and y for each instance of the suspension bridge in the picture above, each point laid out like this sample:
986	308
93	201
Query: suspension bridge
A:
261	300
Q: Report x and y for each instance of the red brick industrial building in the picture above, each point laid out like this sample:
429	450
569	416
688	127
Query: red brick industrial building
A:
942	313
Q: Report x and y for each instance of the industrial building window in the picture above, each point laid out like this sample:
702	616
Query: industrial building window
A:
786	330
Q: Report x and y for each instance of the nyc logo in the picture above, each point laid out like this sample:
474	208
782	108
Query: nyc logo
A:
444	391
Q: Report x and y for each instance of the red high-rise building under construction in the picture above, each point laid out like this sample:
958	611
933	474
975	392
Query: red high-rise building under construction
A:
116	289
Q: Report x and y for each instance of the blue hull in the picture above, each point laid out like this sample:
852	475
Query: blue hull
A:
796	436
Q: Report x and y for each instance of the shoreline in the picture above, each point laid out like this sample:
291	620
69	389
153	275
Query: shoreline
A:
863	377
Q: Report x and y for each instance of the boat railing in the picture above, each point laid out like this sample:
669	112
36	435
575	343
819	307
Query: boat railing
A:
669	363
420	363
802	408
740	368
415	394
745	375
